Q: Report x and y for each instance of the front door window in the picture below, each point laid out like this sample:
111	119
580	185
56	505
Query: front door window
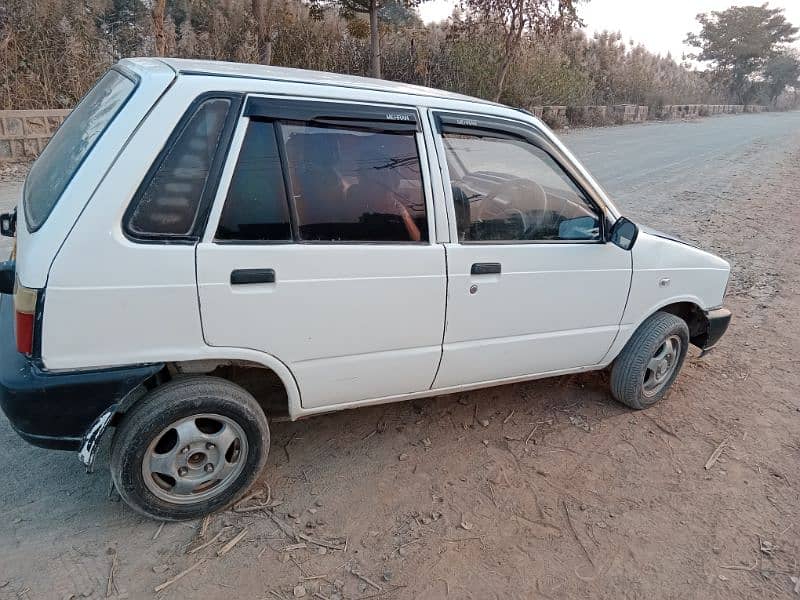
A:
508	190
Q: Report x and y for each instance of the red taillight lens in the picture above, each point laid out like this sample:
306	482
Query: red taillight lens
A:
25	314
24	329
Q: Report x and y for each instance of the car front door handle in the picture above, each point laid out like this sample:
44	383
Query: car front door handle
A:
485	269
245	276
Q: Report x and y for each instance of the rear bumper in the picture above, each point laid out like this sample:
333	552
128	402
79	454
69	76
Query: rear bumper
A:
54	410
718	321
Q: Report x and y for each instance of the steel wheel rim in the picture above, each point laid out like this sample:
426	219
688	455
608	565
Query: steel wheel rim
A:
194	458
661	366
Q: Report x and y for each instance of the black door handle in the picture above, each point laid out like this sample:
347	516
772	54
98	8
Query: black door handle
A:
244	276
485	269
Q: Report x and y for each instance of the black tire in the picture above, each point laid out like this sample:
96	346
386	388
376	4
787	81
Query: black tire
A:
171	403
631	366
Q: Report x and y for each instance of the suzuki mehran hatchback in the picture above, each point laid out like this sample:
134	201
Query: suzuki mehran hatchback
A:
203	247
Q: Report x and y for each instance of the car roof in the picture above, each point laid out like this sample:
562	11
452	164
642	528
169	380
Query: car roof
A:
184	66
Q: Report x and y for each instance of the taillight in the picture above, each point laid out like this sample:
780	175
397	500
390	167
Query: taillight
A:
25	315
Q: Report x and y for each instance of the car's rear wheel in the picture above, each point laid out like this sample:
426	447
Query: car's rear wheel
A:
651	360
190	447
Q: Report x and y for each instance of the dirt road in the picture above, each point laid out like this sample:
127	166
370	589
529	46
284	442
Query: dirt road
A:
540	490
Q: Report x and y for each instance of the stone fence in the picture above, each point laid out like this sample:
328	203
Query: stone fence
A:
24	133
618	114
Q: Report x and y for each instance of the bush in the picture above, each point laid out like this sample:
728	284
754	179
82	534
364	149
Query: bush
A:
52	50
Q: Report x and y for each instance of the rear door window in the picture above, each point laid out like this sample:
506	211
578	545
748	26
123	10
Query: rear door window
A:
256	208
318	172
66	151
355	185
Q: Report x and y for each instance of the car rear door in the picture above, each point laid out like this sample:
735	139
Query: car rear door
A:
319	249
533	287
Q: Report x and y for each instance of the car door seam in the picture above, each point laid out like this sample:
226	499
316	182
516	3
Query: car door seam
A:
444	324
622	315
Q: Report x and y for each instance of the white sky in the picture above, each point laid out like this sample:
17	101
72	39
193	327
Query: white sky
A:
660	25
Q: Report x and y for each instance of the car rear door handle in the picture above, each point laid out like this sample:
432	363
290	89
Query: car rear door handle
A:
245	276
485	269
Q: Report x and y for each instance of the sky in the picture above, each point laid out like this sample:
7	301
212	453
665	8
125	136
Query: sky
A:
661	26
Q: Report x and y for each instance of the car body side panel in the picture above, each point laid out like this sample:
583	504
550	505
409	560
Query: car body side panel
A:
353	321
112	301
35	252
553	307
667	272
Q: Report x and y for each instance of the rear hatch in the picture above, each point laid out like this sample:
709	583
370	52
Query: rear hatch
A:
63	179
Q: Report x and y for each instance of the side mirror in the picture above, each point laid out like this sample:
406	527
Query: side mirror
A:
624	233
7	277
8	224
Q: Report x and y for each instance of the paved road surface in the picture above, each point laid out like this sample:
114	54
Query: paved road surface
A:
602	503
630	161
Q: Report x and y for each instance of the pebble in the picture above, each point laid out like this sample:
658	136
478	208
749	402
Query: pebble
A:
485	422
299	591
403	457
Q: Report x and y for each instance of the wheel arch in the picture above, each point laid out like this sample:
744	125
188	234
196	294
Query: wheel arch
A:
208	362
214	358
688	308
695	318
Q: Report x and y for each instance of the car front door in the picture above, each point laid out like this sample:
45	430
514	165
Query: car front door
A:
319	250
532	286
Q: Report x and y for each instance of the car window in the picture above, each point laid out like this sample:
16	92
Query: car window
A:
65	152
256	208
355	185
170	201
505	189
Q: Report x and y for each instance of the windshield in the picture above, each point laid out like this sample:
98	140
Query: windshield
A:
73	141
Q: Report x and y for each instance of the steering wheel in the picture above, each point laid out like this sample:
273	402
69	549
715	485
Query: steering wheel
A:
499	203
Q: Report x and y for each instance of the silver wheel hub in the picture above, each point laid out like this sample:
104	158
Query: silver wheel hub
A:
194	458
661	365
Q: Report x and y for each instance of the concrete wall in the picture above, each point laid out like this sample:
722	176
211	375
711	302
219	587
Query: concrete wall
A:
24	133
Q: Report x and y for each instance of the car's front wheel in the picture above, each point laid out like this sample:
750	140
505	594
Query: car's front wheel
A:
190	447
648	365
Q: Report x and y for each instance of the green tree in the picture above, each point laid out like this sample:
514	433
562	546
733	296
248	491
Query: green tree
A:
739	42
376	10
515	20
781	72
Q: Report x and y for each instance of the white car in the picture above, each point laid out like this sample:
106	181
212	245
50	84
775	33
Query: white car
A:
203	247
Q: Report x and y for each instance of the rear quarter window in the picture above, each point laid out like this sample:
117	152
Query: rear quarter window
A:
66	151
